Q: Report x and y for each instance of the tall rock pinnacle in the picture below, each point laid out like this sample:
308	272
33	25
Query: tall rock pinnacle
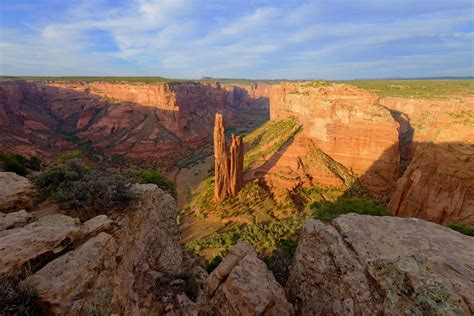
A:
228	176
236	174
221	160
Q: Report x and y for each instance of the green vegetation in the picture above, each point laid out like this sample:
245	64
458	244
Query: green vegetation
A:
265	238
79	187
153	176
68	155
424	89
463	229
72	139
268	139
19	164
329	210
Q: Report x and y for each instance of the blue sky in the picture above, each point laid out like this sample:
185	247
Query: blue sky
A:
325	39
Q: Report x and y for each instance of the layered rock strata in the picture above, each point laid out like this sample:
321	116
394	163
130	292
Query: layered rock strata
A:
381	265
121	120
346	124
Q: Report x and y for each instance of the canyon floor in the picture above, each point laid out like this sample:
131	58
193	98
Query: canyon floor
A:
352	194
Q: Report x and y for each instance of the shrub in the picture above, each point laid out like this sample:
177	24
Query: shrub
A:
463	229
325	210
76	186
68	155
152	176
19	164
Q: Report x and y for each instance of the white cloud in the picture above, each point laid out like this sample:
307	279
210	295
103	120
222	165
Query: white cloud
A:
187	38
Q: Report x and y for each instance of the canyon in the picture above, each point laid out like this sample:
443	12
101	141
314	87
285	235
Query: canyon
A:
343	134
130	262
258	169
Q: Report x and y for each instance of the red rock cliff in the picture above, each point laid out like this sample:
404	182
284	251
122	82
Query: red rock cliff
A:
345	123
158	122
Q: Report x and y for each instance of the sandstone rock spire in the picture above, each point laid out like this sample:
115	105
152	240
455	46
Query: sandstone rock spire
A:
236	174
221	160
229	173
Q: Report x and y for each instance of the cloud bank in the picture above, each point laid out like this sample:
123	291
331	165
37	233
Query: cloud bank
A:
335	39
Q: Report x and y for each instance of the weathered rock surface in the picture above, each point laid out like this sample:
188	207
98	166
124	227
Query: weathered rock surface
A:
236	172
228	164
347	124
15	219
36	241
242	285
221	160
438	185
110	272
79	282
15	192
381	265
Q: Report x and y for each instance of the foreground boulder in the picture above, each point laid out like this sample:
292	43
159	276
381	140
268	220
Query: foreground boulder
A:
79	282
381	265
38	241
115	269
242	285
16	192
15	219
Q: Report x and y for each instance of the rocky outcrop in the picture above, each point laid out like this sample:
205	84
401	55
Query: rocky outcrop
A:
221	160
348	125
381	265
102	266
242	285
236	173
16	192
228	167
38	241
79	282
438	185
15	219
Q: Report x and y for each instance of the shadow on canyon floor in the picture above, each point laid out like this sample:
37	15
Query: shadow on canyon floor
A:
51	119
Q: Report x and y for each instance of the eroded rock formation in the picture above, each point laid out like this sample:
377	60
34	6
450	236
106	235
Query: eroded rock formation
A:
381	265
344	123
16	192
242	285
236	174
228	167
137	122
438	185
100	266
221	160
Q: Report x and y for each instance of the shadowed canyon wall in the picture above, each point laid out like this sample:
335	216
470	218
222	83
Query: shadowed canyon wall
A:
342	133
155	122
345	123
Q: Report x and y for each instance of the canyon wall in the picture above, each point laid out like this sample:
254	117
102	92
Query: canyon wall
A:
346	124
137	121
